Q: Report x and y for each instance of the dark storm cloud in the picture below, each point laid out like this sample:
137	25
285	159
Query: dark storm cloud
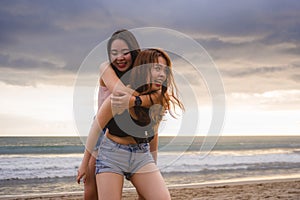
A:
24	63
55	36
49	37
23	18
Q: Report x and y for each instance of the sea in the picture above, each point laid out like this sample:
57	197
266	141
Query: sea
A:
35	165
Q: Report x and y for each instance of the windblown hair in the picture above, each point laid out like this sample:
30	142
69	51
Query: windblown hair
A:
132	43
140	81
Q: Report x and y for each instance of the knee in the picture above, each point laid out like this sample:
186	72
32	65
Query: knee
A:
166	197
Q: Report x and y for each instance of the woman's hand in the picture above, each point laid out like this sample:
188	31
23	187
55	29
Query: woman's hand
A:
81	174
120	101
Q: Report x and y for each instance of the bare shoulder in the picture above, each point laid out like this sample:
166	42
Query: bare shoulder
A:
104	66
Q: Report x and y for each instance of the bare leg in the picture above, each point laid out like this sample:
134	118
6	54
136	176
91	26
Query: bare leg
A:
90	187
150	184
140	197
109	186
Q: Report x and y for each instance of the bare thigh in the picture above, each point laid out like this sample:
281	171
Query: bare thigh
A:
109	186
150	184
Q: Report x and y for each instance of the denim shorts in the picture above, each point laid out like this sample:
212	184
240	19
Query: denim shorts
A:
101	134
122	159
100	138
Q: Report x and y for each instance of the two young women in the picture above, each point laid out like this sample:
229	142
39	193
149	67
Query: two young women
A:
125	149
122	49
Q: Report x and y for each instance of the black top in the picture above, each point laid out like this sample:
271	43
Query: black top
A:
124	125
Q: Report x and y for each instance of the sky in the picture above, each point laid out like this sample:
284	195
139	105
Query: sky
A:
254	44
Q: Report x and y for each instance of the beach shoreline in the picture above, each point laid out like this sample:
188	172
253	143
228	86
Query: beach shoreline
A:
287	188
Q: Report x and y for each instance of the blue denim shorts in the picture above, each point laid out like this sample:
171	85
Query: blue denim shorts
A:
102	132
100	138
122	159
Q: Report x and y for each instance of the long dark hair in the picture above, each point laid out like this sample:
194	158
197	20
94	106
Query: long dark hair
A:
132	43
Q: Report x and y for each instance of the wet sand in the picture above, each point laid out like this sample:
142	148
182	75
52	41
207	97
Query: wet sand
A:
263	189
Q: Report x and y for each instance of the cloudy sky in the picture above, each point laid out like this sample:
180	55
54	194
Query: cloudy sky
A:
254	44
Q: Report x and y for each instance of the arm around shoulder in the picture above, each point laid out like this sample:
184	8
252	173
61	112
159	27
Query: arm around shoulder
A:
111	80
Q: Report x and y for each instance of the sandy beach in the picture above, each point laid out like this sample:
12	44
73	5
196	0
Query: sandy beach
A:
264	189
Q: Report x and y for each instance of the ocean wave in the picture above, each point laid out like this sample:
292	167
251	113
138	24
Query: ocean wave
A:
44	161
41	149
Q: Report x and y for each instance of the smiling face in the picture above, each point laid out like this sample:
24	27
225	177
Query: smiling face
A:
159	73
120	55
151	72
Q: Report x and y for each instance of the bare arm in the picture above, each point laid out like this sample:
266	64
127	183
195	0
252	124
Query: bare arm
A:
154	147
123	96
126	100
147	100
106	113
